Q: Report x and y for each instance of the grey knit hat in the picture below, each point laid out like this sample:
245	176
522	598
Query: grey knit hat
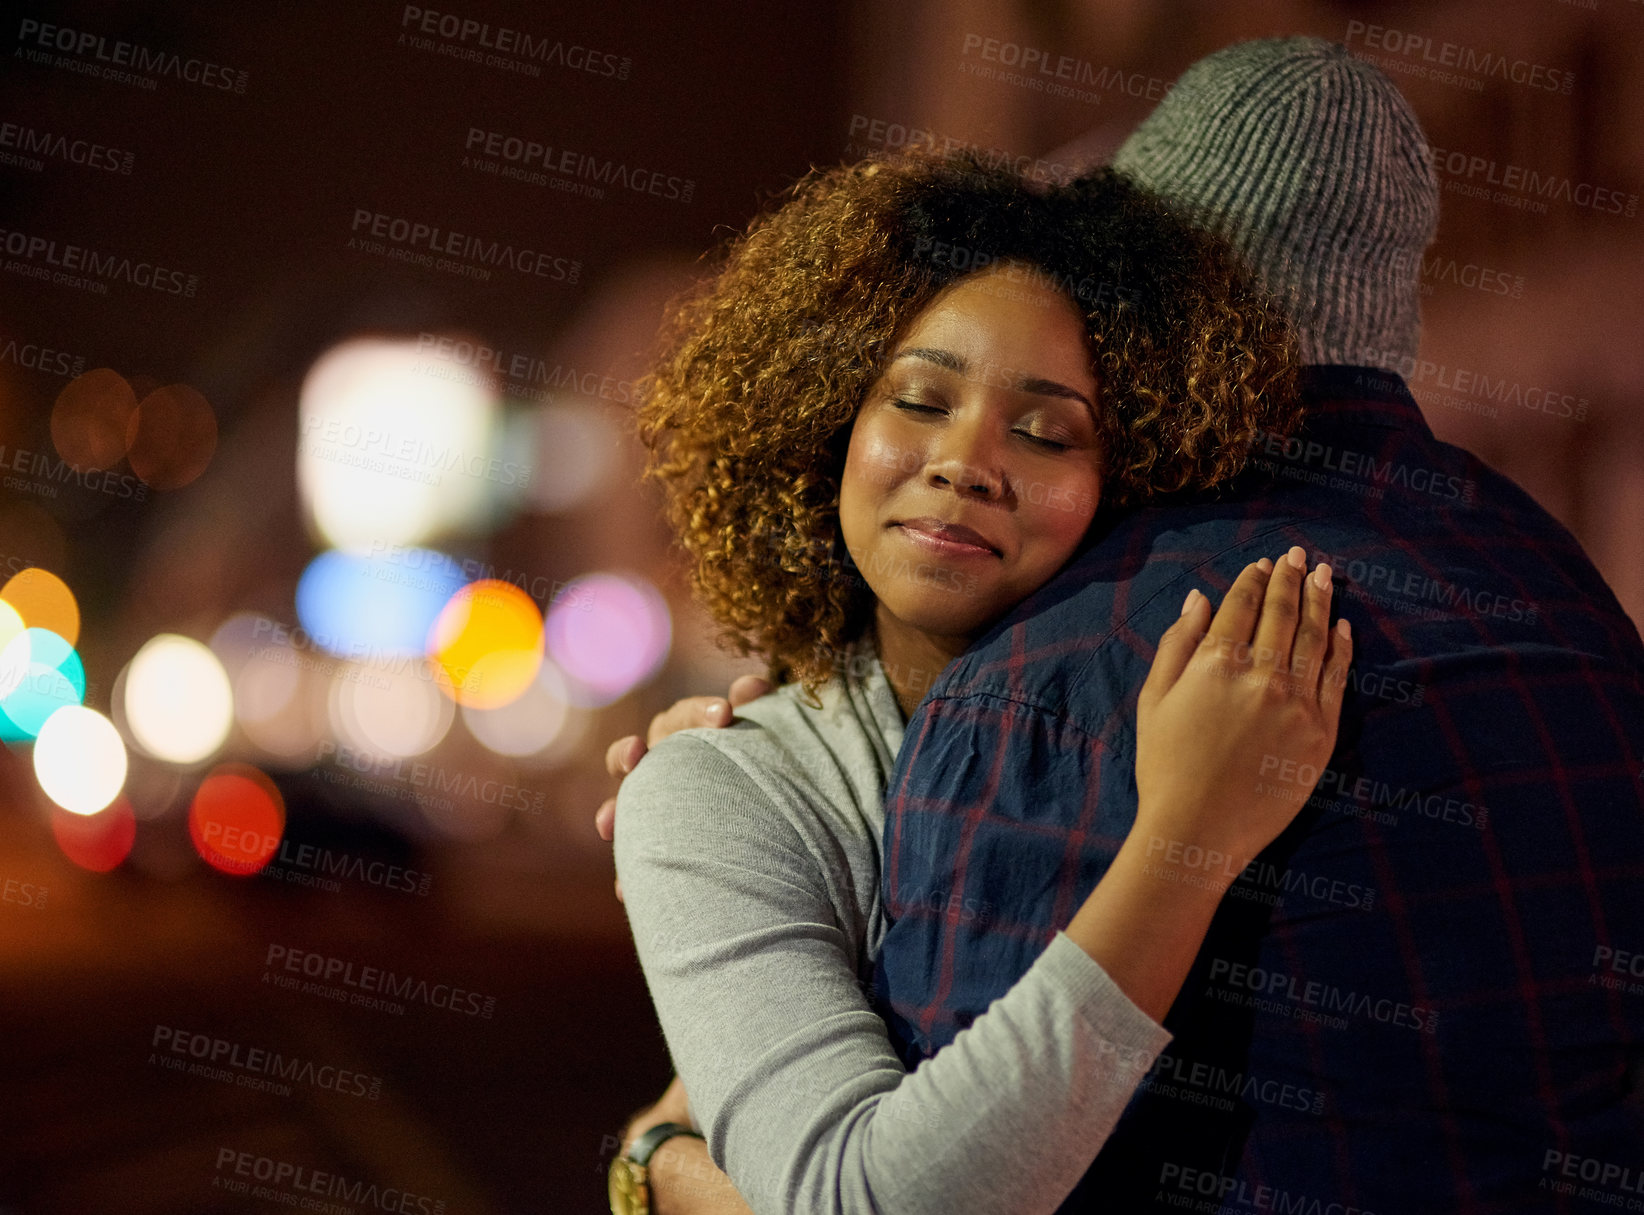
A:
1314	166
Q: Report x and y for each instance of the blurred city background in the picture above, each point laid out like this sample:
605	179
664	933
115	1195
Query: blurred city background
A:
326	575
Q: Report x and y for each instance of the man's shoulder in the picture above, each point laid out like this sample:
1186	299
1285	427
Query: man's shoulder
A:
1433	552
807	764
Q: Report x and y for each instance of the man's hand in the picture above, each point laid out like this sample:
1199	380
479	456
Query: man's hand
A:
622	755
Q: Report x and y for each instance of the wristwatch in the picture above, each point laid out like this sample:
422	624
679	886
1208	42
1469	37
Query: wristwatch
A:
630	1179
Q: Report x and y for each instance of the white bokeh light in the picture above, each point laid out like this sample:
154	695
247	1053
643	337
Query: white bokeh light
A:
80	759
394	445
528	725
389	712
178	701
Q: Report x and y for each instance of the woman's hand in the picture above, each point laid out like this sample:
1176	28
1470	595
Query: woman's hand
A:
672	1106
1235	723
1238	717
684	1180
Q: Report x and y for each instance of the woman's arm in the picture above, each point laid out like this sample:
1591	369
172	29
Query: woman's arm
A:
790	1072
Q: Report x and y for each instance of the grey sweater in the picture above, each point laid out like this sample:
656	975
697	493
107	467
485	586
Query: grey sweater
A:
749	859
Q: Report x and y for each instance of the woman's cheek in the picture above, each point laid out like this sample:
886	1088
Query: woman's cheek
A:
887	461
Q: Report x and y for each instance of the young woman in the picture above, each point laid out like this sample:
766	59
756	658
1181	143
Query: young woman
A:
888	419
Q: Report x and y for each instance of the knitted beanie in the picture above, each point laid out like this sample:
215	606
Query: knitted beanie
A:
1314	166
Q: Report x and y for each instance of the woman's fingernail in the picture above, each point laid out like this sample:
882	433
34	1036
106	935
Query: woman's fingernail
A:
1297	556
1321	576
1265	565
1345	629
1187	603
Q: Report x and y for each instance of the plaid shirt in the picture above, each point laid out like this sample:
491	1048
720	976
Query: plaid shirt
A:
1428	994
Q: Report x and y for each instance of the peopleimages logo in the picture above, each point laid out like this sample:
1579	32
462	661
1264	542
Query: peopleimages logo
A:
430	245
1355	469
1275	991
567	169
1046	70
26	142
1219	1192
46	258
368	979
36	356
310	1184
1421	55
473	41
36	40
253	1067
869	136
1523	187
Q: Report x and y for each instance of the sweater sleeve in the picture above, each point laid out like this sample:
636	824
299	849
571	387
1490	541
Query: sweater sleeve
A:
790	1072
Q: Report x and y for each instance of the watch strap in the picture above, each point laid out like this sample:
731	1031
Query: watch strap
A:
646	1145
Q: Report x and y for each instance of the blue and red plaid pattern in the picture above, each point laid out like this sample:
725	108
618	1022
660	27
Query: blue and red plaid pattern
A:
1428	994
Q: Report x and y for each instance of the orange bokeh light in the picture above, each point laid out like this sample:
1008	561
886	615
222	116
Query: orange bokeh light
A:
97	842
486	644
90	420
237	819
172	436
44	601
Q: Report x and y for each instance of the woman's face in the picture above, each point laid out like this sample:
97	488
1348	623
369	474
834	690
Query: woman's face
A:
974	466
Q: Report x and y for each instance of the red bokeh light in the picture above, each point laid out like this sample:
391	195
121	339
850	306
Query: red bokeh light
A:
237	819
97	842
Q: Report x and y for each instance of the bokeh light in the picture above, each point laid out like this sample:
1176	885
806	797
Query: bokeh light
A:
97	842
90	421
40	673
383	603
486	644
11	624
80	759
394	445
178	701
44	601
172	436
389	712
608	633
577	449
237	819
279	695
526	726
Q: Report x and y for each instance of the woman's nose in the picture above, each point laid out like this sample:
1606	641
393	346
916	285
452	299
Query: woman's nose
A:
967	459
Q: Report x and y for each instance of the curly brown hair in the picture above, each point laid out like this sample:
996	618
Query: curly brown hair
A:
747	414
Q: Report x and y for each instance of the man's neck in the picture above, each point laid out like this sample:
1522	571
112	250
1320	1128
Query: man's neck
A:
912	659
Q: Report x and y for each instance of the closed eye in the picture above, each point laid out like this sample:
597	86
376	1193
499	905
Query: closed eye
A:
916	407
1051	444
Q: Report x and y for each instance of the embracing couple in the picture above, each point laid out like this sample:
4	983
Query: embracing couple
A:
1191	786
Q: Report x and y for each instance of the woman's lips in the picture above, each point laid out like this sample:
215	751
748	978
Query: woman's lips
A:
948	539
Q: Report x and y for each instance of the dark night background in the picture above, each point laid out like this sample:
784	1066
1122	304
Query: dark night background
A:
255	193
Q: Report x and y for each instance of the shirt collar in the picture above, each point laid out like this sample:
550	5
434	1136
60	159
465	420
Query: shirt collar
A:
1365	395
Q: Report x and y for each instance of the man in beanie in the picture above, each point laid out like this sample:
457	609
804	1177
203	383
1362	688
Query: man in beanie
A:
1428	994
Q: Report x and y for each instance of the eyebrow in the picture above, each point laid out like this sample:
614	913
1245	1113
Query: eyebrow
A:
1031	384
